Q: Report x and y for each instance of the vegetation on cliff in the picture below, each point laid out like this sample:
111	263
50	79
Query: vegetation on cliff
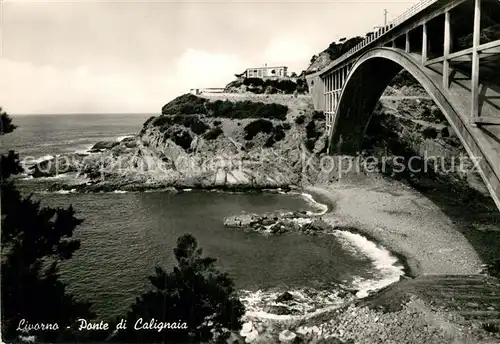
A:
189	104
297	85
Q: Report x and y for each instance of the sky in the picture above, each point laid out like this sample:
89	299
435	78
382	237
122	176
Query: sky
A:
135	56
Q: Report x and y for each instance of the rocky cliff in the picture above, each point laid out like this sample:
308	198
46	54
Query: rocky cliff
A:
203	143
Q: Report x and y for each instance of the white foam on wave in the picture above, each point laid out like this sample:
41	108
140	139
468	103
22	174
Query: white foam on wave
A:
84	149
64	192
322	208
121	138
119	191
57	176
387	267
60	192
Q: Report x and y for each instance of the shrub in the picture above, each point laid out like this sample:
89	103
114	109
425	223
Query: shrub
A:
318	116
213	133
217	123
258	126
310	143
162	121
253	82
311	130
430	133
276	111
287	126
189	121
300	119
246	109
180	137
279	133
302	86
195	293
312	135
271	90
197	126
270	141
187	104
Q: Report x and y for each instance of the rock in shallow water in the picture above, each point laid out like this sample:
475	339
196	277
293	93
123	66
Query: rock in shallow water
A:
104	145
287	336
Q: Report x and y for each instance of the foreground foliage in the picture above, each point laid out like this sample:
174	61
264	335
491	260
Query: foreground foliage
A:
194	293
35	240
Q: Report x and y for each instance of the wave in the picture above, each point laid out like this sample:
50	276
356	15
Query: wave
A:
120	191
59	192
306	302
69	175
388	269
322	208
121	138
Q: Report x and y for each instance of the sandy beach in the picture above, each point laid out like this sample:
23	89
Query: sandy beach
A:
403	221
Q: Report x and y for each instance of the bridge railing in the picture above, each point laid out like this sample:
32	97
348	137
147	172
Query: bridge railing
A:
381	32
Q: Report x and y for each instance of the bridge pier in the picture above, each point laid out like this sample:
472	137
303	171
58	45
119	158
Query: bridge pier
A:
425	43
447	47
475	62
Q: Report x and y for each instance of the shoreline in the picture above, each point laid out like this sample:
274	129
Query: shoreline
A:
411	267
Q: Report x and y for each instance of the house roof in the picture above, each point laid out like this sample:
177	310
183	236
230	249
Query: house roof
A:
267	67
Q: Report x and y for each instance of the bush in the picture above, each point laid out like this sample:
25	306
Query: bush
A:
258	126
180	137
253	82
270	141
286	126
189	121
217	123
197	126
213	133
279	133
430	133
318	116
311	130
195	295
187	104
312	135
246	109
302	86
300	119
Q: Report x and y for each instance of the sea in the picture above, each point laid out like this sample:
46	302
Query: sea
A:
124	235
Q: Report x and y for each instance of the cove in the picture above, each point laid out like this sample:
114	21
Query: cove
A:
124	235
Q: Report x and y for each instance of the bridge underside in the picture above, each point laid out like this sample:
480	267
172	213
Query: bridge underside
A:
371	75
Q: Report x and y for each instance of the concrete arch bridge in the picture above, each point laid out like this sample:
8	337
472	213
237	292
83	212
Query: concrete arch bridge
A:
452	47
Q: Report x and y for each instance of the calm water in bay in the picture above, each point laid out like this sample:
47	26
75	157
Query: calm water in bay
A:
124	235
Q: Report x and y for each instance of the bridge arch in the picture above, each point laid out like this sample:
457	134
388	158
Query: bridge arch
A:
365	84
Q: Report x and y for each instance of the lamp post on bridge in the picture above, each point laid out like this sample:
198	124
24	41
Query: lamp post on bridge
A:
385	21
